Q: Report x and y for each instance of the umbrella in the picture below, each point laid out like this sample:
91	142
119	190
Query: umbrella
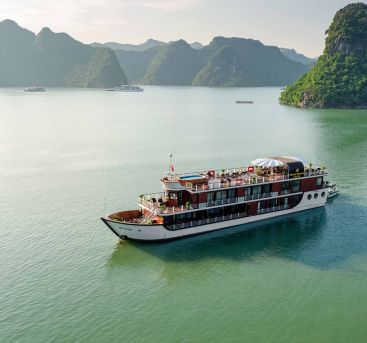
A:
266	162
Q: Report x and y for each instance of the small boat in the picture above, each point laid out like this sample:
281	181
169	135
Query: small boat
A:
125	88
35	89
244	102
332	190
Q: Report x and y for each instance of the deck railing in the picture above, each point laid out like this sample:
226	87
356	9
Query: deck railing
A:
272	209
222	218
199	222
159	208
218	183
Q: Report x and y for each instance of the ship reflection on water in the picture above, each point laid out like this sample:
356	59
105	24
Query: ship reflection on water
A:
288	237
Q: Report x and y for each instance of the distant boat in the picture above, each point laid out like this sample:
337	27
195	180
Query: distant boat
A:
35	89
125	88
244	102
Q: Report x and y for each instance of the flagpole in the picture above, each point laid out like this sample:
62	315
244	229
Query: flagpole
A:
170	167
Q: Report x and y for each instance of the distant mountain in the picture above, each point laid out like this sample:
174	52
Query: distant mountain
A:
135	63
54	59
339	78
150	43
196	45
295	56
246	62
174	64
224	62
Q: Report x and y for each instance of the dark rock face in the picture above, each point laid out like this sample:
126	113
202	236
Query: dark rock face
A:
339	78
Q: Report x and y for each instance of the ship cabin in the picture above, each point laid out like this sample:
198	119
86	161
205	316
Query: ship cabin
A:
210	196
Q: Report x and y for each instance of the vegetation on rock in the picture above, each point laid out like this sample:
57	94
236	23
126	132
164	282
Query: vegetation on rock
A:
339	77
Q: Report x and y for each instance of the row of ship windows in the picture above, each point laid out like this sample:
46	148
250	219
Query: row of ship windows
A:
316	195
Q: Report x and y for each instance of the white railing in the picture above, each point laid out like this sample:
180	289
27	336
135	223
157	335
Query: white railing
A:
206	221
161	209
272	209
237	182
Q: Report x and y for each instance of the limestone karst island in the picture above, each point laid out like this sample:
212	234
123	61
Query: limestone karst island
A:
339	78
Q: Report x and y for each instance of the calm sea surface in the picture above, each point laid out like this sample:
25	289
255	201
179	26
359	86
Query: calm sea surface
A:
69	156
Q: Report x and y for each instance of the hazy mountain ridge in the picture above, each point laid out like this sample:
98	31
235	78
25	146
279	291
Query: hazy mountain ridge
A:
298	57
53	59
224	62
56	59
339	78
150	43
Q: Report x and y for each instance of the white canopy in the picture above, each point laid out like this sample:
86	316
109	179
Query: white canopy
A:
266	162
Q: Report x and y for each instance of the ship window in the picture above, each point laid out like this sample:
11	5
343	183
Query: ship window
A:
319	181
309	197
256	190
273	202
218	195
323	194
231	193
262	204
296	199
210	196
285	186
296	185
316	195
266	188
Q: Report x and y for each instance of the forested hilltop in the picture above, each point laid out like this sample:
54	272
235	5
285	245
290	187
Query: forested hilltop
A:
339	78
224	62
54	59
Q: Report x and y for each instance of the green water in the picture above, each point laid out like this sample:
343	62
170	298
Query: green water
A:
69	156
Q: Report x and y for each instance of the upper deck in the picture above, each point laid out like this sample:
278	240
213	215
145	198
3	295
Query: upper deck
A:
226	179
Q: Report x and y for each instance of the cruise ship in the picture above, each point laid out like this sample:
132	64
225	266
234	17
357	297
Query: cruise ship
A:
200	202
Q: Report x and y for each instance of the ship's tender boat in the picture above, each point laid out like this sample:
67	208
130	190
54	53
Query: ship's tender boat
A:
332	190
200	202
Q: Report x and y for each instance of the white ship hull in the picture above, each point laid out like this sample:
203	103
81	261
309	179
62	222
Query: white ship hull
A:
148	232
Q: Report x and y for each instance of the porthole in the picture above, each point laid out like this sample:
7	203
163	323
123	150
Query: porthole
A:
316	195
323	194
309	197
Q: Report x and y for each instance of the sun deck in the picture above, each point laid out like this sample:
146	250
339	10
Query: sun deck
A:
236	177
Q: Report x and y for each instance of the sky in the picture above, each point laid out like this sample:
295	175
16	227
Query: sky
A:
297	24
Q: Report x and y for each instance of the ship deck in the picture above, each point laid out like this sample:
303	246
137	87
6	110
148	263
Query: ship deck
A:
223	180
